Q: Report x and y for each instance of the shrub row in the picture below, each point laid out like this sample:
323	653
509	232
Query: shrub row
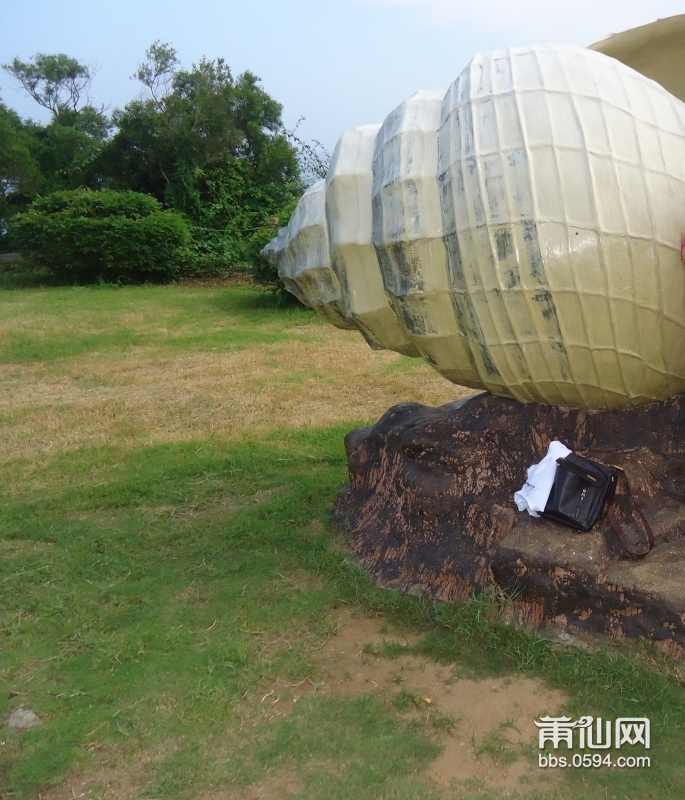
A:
88	236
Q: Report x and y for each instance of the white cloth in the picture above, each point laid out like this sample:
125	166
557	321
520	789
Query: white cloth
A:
535	491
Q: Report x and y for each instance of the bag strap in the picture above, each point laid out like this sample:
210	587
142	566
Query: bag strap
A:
611	514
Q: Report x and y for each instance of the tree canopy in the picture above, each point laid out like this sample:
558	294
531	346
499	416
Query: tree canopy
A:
209	144
201	140
195	120
19	172
63	151
56	82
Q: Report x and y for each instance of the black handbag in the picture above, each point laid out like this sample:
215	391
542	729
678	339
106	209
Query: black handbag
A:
581	488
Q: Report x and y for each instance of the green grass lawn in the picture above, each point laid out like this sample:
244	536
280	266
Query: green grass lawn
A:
50	325
153	592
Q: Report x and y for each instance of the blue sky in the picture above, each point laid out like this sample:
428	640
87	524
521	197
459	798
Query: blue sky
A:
339	63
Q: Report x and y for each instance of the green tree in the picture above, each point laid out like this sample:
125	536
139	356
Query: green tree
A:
66	156
19	172
201	140
208	144
56	82
66	149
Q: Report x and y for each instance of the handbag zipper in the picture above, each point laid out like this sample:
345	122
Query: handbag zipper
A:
580	503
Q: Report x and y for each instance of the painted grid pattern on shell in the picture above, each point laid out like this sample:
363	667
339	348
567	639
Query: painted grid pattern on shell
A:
562	177
407	235
306	260
540	258
353	256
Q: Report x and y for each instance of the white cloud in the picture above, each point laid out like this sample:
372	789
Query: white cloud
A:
541	20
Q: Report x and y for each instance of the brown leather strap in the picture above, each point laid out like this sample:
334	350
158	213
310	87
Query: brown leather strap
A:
611	514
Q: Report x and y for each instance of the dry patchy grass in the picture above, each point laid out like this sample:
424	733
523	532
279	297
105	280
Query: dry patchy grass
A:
139	396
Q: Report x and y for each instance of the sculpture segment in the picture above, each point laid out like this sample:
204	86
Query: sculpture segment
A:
408	236
529	236
656	50
354	259
563	226
275	253
306	262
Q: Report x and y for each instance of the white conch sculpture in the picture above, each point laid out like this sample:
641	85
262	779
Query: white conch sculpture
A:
520	232
302	250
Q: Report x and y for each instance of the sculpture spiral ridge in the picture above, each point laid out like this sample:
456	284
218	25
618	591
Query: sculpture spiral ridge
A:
520	232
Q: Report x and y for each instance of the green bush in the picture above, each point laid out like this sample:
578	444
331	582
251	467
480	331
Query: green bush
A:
260	269
110	236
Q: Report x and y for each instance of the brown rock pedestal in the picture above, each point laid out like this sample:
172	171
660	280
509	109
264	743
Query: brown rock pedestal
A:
430	507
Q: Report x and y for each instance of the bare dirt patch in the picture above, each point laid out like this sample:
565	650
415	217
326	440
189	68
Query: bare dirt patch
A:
116	776
483	725
279	785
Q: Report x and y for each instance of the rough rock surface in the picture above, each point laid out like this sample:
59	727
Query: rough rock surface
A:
429	507
22	719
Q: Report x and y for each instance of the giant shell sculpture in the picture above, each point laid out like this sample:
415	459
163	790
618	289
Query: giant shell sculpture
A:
521	232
